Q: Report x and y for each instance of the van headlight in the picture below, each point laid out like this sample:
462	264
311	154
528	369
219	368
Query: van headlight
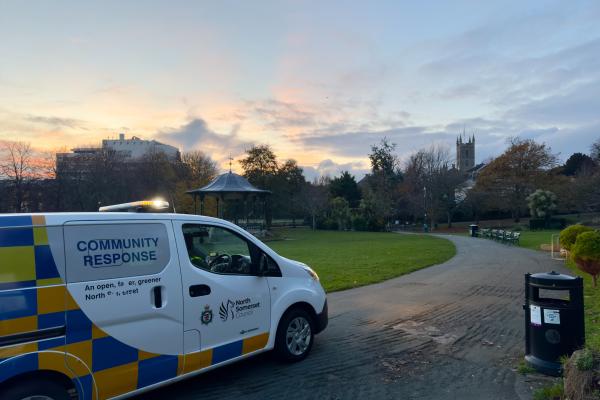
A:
311	272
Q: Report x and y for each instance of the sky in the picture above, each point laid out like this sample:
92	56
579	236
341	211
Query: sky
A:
318	81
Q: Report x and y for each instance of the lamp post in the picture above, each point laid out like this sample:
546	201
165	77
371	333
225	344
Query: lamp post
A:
425	226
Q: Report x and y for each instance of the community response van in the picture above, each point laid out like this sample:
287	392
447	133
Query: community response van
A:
104	305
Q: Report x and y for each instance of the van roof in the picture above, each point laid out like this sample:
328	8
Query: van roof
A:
62	217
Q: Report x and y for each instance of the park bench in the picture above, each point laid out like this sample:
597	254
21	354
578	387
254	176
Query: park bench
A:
514	238
500	235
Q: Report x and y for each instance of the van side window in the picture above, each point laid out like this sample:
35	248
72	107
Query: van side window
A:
218	250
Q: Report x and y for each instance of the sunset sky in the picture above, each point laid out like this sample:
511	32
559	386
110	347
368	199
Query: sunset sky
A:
320	81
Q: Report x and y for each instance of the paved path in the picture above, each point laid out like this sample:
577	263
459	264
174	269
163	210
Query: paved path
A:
453	331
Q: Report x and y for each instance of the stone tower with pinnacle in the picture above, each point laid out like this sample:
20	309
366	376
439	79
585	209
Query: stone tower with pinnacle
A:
465	153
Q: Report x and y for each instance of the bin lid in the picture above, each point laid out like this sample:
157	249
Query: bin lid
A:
554	278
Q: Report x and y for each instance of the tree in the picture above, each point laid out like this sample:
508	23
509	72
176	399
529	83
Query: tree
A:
577	164
515	174
287	187
260	168
542	204
260	165
382	185
340	212
199	169
383	159
195	170
595	151
314	198
17	166
431	182
345	186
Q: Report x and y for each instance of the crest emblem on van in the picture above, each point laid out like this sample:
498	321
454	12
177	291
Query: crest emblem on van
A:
226	310
207	315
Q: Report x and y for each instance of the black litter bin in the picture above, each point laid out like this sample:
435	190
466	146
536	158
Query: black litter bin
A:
554	324
473	229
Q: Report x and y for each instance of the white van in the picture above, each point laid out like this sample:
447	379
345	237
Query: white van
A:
107	305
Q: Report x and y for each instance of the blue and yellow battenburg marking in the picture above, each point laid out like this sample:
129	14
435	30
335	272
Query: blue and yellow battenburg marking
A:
33	296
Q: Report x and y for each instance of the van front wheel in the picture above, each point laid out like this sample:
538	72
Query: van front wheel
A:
36	390
295	335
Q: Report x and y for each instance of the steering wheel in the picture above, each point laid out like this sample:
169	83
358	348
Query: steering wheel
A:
221	263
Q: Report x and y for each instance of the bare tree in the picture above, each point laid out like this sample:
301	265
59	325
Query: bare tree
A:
17	166
595	151
431	182
314	198
199	168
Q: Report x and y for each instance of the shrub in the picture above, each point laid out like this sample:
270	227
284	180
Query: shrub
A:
569	235
376	225
359	224
542	203
581	375
553	392
331	224
547	223
586	253
585	360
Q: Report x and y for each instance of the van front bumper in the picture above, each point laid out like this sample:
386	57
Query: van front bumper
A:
322	319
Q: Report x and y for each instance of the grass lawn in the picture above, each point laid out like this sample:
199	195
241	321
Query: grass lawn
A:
592	308
533	239
345	260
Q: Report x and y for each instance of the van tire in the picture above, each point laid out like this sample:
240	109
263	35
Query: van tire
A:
296	345
41	387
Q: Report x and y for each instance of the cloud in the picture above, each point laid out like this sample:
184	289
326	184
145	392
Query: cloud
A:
332	169
577	106
56	122
196	135
281	115
358	143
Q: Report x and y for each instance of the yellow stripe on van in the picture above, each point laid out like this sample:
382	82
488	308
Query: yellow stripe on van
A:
40	234
11	351
18	264
54	361
198	360
255	343
143	355
83	351
70	303
38	220
18	325
51	299
48	282
117	380
98	333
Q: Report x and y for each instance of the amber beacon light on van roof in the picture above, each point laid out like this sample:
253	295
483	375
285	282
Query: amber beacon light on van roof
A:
138	206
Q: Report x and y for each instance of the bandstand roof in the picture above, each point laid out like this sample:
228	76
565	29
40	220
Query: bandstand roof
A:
228	182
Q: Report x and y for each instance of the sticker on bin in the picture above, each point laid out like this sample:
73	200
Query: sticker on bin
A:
552	317
536	315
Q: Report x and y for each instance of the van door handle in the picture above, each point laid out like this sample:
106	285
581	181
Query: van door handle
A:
157	292
199	290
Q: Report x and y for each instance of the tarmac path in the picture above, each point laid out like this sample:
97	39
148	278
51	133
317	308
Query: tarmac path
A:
451	331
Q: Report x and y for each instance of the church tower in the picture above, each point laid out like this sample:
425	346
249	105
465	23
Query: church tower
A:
465	153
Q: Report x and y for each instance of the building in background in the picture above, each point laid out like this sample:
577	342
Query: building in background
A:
465	153
465	160
136	148
82	159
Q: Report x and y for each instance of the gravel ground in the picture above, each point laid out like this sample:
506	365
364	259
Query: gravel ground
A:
452	331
